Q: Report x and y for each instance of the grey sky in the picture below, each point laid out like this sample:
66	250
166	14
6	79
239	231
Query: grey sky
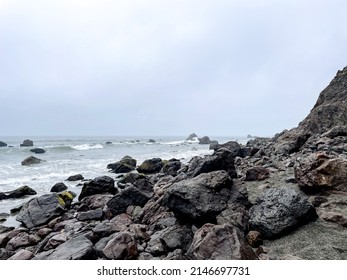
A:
102	67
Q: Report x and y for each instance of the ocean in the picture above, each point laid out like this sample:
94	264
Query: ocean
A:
89	156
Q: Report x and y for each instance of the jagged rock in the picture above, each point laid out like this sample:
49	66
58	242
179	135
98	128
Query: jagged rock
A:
38	151
280	211
59	187
90	215
192	137
122	247
254	239
139	181
319	172
200	199
171	167
129	196
76	177
150	166
31	160
18	193
223	159
41	210
233	146
27	143
22	255
257	173
205	140
125	165
3	144
99	185
219	242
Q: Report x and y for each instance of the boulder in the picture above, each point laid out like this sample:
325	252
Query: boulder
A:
108	143
205	140
254	238
95	214
99	185
18	193
139	181
76	177
27	143
22	239
192	137
122	247
150	166
232	146
38	151
171	167
125	165
31	160
3	144
280	211
219	242
151	141
200	199
257	173
319	172
59	187
129	196
22	254
41	210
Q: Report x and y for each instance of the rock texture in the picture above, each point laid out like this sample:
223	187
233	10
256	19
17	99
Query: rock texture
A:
126	164
27	143
3	144
31	160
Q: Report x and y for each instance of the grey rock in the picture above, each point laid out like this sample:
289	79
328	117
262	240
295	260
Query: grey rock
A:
31	160
76	177
59	187
27	143
18	193
38	151
191	137
150	166
99	185
140	181
90	215
122	247
204	140
23	239
3	144
22	255
125	165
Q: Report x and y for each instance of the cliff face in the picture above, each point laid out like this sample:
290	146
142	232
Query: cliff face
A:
329	111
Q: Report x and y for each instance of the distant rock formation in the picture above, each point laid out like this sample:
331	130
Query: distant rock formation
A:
31	160
192	137
38	151
3	144
27	143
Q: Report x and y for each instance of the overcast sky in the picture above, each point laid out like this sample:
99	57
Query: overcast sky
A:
226	67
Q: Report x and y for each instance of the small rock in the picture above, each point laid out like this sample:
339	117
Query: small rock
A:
59	187
22	255
38	151
31	160
76	177
3	144
254	238
257	174
90	215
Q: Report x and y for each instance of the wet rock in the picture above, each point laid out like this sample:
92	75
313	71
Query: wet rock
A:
150	166
219	242
233	146
122	247
125	165
55	241
38	151
94	201
192	137
18	193
73	178
5	254
317	200
106	228
27	143
280	211
99	185
31	160
3	144
59	187
257	173
90	215
334	217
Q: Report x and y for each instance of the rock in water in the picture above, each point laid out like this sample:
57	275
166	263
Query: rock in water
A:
38	151
151	141
205	140
99	185
31	160
27	143
125	165
73	178
18	193
3	144
280	211
220	242
192	137
59	187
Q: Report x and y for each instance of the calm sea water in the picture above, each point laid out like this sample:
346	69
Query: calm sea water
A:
88	156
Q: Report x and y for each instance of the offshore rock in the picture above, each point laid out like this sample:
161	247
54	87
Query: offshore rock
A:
31	160
3	144
38	151
27	143
18	193
125	165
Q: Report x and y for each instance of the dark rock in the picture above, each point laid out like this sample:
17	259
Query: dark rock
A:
90	215
200	199
27	143
122	247
59	187
205	140
151	141
192	137
18	193
125	165
257	173
319	172
150	166
289	142
106	228
233	146
31	160
222	159
317	200
99	185
280	211
5	254
140	181
76	177
129	196
95	201
219	242
171	167
4	229
108	143
3	144
22	254
336	131
38	151
41	210
254	239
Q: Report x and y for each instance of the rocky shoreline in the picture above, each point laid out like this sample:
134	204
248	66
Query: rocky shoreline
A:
273	198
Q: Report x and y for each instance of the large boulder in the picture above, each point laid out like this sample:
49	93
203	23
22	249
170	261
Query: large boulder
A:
222	159
99	185
3	144
27	143
220	242
319	172
76	177
171	167
200	199
140	181
280	211
125	165
38	151
59	187
205	140
18	193
192	137
150	166
41	210
31	160
232	146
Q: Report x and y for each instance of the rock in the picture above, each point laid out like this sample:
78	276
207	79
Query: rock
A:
319	172
200	199
5	254
59	187
4	229
334	217
41	210
223	159
151	141
150	166
95	201
22	255
38	151
27	143
129	196
3	144
55	241
106	228
192	137
205	140
125	165
23	239
317	200
219	242
122	247
233	146
76	177
280	211
257	173
99	185
31	160
254	239
18	193
171	167
77	248
140	181
90	215
108	143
